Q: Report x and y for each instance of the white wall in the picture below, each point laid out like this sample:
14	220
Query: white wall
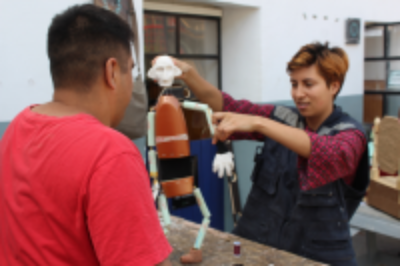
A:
24	66
289	29
282	27
241	49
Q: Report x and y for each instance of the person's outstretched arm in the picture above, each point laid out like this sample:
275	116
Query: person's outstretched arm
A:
293	138
322	159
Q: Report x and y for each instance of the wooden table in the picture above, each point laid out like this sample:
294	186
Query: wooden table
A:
218	248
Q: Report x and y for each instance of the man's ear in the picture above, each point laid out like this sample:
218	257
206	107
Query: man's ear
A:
177	71
110	72
152	73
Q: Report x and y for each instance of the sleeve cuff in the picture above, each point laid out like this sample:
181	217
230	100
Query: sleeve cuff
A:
227	100
313	141
307	180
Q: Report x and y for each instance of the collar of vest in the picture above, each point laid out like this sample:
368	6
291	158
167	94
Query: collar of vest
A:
338	121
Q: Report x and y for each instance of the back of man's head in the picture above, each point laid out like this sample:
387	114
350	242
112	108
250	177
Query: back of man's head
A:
80	40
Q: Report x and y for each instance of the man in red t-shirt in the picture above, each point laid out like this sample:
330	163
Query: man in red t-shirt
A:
73	191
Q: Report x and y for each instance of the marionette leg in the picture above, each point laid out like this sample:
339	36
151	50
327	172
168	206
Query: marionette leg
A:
164	213
206	218
195	254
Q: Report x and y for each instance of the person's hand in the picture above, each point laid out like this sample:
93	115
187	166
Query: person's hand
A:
185	67
229	123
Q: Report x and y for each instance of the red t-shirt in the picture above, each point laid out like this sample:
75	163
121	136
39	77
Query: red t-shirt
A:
74	192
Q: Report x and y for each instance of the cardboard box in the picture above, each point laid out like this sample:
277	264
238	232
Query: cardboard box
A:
384	191
384	195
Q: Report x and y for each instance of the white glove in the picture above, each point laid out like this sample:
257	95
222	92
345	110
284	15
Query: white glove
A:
223	163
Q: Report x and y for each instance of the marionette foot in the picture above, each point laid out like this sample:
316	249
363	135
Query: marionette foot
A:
194	256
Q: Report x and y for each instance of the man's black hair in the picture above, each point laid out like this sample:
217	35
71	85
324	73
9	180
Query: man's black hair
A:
81	40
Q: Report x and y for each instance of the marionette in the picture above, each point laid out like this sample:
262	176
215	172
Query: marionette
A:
172	168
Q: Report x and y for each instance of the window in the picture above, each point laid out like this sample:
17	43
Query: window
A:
381	71
191	38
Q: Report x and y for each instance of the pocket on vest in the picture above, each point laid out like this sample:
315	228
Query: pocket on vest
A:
319	208
320	204
328	242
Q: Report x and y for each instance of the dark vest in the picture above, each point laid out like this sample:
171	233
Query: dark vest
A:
313	223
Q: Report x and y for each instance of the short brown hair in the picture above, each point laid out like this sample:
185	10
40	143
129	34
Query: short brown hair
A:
332	63
80	41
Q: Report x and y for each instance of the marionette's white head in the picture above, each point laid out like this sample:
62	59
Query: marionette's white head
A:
164	71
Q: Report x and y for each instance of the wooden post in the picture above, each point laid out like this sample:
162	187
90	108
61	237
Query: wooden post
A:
398	175
398	180
375	169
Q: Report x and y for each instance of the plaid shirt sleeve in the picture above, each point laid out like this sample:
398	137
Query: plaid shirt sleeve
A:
246	107
331	158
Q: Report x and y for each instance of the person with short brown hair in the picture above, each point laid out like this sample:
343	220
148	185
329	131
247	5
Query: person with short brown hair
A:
74	191
313	170
332	64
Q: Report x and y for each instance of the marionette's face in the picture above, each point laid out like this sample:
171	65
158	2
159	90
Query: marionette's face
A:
311	93
164	71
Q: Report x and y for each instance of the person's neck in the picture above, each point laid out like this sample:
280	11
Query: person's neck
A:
68	101
315	122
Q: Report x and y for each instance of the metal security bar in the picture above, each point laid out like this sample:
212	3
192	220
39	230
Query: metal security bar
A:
386	92
177	47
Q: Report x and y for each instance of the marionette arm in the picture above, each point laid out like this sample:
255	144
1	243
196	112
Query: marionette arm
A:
223	161
201	107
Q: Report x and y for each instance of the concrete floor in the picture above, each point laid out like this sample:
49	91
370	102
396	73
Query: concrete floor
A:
385	245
